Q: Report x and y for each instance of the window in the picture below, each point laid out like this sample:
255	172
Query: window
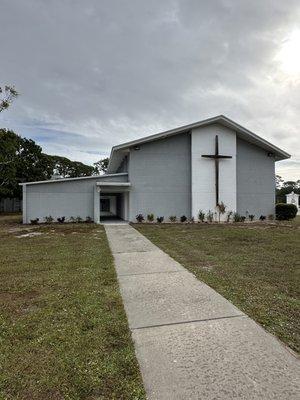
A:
105	205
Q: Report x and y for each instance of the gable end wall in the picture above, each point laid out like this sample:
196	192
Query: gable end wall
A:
255	180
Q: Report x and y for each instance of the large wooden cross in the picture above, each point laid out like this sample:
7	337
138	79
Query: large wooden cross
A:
217	158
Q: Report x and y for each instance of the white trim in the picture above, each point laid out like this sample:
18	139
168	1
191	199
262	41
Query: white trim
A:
221	119
73	179
113	184
96	205
24	205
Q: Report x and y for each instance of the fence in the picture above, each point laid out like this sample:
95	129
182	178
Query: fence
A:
10	205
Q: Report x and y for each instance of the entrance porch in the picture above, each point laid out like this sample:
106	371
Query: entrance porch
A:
111	201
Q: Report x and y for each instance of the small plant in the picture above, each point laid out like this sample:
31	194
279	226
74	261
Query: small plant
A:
89	220
49	219
228	216
34	221
271	217
251	217
183	218
78	219
150	217
236	217
72	219
192	220
140	218
160	219
173	218
221	209
242	218
285	211
61	220
210	216
201	216
262	218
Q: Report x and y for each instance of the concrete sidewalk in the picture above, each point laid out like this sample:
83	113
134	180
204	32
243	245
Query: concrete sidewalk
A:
190	342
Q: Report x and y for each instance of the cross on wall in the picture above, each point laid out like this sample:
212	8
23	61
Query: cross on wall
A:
216	157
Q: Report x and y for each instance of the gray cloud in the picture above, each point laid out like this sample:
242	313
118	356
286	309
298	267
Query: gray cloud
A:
95	73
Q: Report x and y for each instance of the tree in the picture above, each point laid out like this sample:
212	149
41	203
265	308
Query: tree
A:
286	188
22	160
101	166
7	95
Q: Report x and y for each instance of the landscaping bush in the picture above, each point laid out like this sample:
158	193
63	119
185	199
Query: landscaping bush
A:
150	217
72	219
78	219
89	220
251	217
237	217
61	220
159	219
285	211
228	216
201	216
140	218
49	219
183	218
262	218
34	221
173	218
210	216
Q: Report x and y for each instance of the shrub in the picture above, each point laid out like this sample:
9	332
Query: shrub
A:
150	217
251	217
89	220
78	219
72	219
160	219
34	221
242	218
173	218
140	218
61	220
210	216
285	211
201	216
49	219
237	217
192	220
228	216
262	217
221	209
183	218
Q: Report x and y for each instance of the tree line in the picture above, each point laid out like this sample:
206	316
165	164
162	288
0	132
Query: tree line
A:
285	187
22	160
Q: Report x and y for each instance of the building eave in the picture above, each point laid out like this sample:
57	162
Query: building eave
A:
220	119
74	179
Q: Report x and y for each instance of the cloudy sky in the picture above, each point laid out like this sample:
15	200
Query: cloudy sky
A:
94	73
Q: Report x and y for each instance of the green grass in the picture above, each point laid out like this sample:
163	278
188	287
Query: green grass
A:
63	330
254	266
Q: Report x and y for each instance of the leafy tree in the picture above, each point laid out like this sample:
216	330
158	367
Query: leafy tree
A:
7	95
22	160
101	166
286	188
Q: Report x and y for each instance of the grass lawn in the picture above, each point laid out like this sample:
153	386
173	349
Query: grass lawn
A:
256	267
63	329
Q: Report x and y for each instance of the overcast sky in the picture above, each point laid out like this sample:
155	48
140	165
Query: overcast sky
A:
94	73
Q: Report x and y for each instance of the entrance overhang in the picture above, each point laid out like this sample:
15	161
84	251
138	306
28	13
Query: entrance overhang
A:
111	187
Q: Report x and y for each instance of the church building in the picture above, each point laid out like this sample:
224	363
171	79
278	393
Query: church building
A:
177	172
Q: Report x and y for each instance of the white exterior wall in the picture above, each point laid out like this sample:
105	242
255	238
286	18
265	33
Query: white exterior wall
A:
203	169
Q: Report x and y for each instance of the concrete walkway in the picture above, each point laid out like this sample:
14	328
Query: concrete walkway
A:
190	342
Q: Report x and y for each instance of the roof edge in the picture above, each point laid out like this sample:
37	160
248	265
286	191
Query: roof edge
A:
222	119
73	179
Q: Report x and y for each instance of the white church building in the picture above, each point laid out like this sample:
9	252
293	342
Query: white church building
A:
177	172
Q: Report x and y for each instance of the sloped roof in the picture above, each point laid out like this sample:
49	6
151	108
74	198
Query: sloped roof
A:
118	152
